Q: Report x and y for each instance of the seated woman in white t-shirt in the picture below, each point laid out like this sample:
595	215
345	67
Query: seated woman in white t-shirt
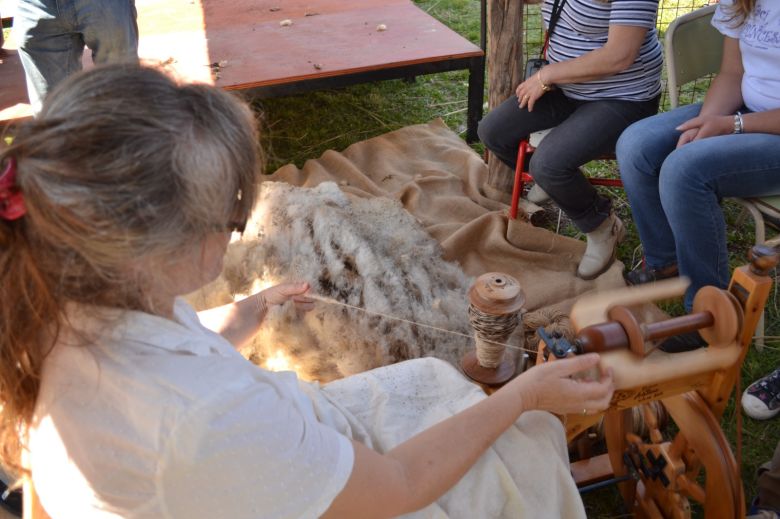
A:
121	197
678	166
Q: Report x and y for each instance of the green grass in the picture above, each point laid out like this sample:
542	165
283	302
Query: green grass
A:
301	127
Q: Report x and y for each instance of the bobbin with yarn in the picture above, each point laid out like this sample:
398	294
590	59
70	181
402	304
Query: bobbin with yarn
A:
496	300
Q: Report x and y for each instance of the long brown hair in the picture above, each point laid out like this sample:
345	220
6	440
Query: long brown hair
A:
740	10
124	167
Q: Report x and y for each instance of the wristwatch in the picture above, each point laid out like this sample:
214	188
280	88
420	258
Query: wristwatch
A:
738	123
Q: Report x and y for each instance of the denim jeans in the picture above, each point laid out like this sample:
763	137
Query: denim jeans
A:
675	193
51	35
583	131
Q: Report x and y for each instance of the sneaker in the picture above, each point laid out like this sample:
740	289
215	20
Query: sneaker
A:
645	275
684	342
761	399
537	195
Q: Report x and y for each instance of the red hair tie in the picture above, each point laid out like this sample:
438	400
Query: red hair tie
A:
11	200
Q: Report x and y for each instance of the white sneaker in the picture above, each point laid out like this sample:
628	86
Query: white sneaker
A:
761	399
600	252
537	195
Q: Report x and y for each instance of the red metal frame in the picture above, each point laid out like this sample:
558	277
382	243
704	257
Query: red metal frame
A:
521	177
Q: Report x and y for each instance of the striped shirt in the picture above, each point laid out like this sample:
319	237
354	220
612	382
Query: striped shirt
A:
584	26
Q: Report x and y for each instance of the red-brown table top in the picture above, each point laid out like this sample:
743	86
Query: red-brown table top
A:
257	43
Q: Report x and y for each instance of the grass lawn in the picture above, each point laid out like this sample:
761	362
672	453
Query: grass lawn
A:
302	127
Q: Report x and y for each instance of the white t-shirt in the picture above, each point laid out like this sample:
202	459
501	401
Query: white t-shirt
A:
759	43
165	419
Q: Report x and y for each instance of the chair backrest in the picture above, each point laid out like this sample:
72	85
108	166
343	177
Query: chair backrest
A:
693	48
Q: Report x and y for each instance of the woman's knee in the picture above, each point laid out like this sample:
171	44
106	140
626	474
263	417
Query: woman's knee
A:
549	163
502	129
490	134
682	183
636	152
629	144
485	131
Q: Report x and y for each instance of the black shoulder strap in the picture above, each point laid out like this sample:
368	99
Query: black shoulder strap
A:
554	16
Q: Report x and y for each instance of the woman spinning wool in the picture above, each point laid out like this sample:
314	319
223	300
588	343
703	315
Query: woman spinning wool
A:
121	197
604	74
679	165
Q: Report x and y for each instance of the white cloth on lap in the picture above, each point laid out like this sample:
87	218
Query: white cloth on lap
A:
158	418
525	474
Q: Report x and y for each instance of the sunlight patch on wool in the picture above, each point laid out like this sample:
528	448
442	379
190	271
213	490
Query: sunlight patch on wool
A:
279	361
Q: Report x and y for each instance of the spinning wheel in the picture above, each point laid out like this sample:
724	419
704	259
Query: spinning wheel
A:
660	477
668	474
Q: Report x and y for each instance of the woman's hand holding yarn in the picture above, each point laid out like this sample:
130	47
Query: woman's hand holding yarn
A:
280	294
553	387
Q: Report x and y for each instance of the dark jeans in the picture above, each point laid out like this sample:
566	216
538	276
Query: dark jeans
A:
583	131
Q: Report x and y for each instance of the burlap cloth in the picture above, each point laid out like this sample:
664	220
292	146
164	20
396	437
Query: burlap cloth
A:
437	178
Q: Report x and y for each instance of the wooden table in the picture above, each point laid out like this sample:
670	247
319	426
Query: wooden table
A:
283	47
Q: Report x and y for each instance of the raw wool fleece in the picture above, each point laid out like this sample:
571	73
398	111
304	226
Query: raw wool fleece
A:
368	253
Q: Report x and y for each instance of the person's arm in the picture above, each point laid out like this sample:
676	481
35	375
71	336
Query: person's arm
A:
723	98
238	322
762	122
620	51
420	470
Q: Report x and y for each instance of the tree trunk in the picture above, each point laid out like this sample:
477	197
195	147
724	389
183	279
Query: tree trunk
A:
505	72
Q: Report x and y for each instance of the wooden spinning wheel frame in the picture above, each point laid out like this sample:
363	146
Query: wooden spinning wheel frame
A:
660	476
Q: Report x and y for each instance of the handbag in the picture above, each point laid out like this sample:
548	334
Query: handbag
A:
533	65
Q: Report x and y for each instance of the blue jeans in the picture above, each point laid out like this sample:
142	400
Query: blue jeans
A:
675	193
52	34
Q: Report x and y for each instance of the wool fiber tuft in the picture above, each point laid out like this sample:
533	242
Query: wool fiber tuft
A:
368	253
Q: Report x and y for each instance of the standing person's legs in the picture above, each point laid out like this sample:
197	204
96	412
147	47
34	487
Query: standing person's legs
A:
641	150
588	133
769	484
110	29
49	48
507	124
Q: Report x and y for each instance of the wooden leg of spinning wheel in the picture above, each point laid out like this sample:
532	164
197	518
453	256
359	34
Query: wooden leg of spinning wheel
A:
722	492
617	424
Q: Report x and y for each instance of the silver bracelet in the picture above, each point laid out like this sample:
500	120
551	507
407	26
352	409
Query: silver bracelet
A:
739	125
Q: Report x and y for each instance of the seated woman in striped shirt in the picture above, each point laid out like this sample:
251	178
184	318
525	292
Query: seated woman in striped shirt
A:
604	73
